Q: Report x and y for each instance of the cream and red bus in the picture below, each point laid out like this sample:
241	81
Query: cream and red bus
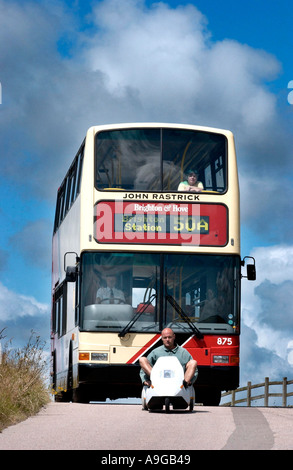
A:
135	251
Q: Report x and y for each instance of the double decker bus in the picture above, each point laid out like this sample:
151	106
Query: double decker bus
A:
134	252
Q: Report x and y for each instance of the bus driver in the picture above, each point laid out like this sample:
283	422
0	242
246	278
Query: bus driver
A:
110	294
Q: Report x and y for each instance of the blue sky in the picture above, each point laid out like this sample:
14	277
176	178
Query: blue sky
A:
67	65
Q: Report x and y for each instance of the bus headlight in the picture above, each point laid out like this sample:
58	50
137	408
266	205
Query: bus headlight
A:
99	356
221	359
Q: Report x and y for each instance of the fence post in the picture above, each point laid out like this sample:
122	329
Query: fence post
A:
233	398
248	393
284	392
266	398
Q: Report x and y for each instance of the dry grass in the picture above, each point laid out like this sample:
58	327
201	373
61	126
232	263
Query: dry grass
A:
22	382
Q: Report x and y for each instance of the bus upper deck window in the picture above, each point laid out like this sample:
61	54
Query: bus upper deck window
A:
157	159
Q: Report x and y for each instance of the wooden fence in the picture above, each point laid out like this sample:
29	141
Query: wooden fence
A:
249	398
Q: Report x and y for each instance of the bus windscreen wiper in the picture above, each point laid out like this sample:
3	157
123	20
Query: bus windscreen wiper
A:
136	317
184	317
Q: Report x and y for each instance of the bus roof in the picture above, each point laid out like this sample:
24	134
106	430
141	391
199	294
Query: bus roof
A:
128	125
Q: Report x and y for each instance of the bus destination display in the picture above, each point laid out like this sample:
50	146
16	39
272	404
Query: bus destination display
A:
160	223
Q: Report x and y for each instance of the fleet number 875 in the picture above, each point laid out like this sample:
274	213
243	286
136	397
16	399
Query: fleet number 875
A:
224	341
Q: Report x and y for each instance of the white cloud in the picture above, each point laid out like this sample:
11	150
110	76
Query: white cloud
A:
14	306
267	314
20	315
275	263
258	362
152	50
168	57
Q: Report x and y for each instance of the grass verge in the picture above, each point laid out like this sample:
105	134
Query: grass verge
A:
23	391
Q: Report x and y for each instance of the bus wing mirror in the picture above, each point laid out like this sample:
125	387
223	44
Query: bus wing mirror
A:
71	271
71	274
250	269
251	272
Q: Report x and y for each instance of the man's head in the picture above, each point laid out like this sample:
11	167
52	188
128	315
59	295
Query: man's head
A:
111	280
168	338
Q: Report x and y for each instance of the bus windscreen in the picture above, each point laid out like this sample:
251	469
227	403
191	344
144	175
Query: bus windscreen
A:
153	289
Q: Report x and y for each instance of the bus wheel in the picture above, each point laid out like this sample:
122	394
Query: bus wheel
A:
58	397
67	395
167	404
209	396
80	395
54	377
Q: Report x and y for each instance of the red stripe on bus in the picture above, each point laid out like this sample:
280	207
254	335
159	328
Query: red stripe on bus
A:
185	344
147	346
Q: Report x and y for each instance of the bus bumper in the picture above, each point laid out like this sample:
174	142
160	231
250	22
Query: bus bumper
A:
123	380
111	381
222	377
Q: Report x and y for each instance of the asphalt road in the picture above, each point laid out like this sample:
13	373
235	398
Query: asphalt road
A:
72	426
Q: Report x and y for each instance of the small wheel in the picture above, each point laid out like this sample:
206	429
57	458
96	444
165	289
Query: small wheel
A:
191	404
167	404
144	405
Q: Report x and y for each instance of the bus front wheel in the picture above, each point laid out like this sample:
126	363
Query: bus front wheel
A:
209	396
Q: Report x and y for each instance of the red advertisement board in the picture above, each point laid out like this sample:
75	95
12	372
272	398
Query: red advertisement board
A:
196	224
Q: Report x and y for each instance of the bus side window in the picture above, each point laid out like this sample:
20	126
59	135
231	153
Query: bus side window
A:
60	311
78	172
69	189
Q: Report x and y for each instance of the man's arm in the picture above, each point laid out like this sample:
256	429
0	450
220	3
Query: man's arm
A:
146	364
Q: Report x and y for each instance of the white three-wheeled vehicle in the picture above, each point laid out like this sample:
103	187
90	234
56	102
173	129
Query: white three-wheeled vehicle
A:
167	387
